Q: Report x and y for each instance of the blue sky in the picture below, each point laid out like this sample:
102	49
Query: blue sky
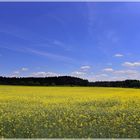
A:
95	41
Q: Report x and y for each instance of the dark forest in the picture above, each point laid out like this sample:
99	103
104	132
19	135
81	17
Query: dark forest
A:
66	81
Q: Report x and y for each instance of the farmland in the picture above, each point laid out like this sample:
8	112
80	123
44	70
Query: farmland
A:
69	112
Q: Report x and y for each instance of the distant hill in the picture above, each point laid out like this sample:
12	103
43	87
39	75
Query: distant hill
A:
66	81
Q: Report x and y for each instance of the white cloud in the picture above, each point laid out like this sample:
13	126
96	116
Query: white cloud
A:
85	68
118	55
16	72
108	70
24	69
114	75
78	73
82	72
99	77
44	74
131	64
19	72
126	72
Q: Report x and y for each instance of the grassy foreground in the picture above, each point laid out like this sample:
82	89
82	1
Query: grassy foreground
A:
69	112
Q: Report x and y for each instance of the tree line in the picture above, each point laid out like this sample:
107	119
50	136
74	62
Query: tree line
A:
126	84
66	81
46	81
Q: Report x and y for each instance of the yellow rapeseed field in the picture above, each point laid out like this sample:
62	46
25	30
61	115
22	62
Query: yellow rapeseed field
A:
69	112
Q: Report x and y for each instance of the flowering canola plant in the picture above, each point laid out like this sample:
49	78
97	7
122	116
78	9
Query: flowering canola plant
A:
69	112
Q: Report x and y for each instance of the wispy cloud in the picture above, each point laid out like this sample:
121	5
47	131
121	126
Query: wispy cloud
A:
53	56
19	72
59	43
92	18
118	55
26	35
78	73
44	74
112	71
116	75
16	72
85	68
24	69
62	45
99	77
107	41
62	23
126	72
16	49
82	72
131	64
108	70
21	33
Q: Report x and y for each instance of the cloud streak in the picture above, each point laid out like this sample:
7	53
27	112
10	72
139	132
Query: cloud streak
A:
85	68
49	55
108	70
44	74
131	64
19	72
53	56
118	55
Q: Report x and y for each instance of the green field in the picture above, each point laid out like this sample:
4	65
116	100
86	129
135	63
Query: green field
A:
69	112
